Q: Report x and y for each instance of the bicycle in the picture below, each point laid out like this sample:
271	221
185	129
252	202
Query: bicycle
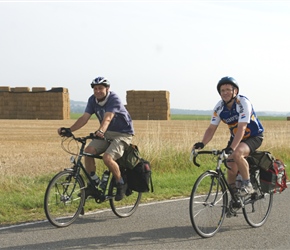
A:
65	195
209	199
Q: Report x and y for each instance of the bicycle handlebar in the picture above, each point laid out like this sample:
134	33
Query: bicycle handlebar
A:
221	153
66	133
83	141
85	138
90	136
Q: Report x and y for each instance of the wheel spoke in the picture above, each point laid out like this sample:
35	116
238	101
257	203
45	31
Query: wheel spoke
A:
208	204
257	207
64	199
128	205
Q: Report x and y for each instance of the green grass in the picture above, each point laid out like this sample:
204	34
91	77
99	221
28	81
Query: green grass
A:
272	118
208	117
173	176
190	117
197	117
22	198
75	116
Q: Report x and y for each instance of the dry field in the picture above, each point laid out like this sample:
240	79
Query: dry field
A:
32	147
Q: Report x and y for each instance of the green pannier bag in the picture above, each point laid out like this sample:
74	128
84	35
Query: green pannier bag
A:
262	159
130	158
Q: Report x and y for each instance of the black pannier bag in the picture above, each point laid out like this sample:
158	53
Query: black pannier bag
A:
139	178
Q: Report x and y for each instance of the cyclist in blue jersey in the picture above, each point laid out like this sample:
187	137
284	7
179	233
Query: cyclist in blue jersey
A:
246	131
115	124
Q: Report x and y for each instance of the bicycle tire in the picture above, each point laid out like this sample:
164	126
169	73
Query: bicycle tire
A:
128	205
257	207
208	204
64	198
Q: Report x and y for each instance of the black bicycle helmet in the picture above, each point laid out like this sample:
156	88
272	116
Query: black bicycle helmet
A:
227	80
100	81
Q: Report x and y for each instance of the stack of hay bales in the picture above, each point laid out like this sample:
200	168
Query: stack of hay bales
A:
21	103
148	105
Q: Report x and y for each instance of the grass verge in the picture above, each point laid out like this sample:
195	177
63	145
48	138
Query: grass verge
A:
31	155
26	194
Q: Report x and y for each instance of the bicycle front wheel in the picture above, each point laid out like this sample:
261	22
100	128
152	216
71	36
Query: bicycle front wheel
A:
64	198
208	202
128	205
257	208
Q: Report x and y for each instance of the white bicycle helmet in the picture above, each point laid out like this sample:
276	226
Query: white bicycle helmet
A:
100	81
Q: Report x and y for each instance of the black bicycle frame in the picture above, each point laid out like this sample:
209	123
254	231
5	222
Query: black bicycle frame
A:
79	165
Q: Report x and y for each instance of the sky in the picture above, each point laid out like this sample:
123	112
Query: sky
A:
184	47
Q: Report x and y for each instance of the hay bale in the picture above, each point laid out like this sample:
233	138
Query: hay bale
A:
38	89
59	89
20	103
148	105
21	89
4	89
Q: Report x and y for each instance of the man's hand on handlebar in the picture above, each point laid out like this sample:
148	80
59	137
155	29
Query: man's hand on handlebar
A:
228	150
65	132
198	145
100	133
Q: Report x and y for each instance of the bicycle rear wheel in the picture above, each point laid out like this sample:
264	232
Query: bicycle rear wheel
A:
128	205
208	202
64	198
257	208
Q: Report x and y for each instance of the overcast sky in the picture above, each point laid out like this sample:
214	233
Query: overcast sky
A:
184	47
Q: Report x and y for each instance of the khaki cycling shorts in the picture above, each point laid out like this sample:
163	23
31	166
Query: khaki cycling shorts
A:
115	149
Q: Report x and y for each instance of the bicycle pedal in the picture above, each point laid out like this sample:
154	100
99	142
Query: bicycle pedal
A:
100	199
231	213
254	196
237	205
128	192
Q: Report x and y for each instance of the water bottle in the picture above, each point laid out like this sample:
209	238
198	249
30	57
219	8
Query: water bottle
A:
239	180
96	179
104	181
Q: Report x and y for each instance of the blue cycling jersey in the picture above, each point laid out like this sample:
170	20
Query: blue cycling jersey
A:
121	121
241	111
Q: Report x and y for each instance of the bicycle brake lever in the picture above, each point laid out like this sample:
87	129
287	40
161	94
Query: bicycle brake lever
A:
192	158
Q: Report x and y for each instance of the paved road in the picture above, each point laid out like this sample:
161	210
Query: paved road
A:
161	225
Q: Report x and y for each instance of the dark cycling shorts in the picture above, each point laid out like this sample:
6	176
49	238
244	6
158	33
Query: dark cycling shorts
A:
252	142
